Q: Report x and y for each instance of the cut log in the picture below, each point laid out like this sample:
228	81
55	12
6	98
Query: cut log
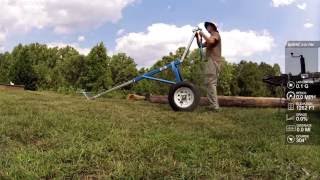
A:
135	97
11	87
228	101
239	101
233	101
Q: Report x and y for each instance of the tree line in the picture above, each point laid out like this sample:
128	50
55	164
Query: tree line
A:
39	67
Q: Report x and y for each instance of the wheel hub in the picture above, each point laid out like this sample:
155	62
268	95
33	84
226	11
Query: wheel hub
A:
183	97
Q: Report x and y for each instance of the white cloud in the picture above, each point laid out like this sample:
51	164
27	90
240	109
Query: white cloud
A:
72	14
2	38
120	32
160	39
308	25
21	16
81	38
278	3
240	44
81	50
302	6
60	16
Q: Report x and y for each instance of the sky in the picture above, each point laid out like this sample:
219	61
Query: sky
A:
148	29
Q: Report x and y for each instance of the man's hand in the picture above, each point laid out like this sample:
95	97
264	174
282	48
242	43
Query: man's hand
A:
198	36
201	33
210	39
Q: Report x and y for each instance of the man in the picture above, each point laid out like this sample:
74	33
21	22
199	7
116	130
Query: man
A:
213	62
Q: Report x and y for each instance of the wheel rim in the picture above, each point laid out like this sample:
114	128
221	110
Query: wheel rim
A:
183	97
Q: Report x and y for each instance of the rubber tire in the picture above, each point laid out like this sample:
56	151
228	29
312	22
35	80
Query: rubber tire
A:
175	87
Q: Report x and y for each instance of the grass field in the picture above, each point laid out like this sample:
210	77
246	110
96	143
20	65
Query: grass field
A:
47	135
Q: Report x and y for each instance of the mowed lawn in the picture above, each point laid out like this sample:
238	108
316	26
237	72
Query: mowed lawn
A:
44	135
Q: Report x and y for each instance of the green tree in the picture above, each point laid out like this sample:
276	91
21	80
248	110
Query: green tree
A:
248	79
123	68
44	61
21	71
266	69
97	75
37	66
162	88
226	77
70	65
145	87
5	63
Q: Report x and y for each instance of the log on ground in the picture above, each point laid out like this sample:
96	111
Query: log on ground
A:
11	87
233	101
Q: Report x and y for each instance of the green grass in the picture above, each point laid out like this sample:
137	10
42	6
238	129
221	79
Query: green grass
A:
47	135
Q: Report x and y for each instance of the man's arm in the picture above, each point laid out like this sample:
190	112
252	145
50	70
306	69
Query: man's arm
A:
204	44
210	40
199	41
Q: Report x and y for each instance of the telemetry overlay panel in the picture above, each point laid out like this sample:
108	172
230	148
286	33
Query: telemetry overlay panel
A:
303	93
